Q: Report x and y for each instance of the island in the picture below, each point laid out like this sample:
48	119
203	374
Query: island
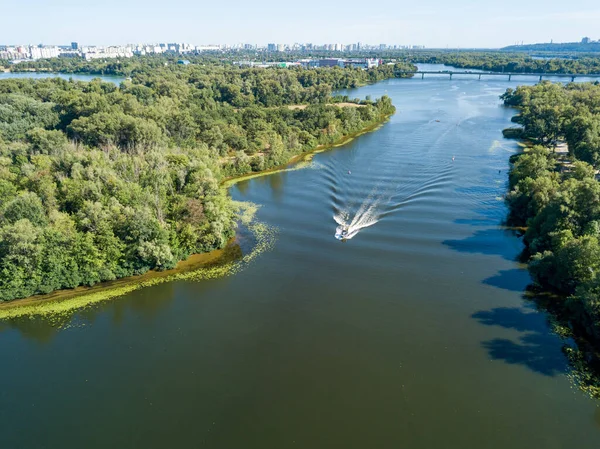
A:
100	182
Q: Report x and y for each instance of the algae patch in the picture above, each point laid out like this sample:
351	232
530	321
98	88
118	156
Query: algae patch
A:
263	237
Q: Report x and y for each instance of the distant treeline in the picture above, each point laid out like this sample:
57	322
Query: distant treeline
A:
496	61
568	47
557	197
130	66
508	62
98	182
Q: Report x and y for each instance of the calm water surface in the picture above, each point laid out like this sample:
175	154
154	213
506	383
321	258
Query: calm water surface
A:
412	334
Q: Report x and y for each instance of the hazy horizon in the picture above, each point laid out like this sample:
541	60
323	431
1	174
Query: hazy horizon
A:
433	23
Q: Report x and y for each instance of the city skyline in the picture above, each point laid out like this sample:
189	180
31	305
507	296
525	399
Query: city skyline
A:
433	23
18	53
187	47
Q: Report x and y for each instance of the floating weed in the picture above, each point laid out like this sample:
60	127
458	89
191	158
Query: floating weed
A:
245	211
495	146
58	312
581	374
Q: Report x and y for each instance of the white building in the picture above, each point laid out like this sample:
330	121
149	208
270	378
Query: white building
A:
208	47
43	52
107	52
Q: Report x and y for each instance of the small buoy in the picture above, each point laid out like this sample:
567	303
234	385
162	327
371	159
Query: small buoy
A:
349	172
452	158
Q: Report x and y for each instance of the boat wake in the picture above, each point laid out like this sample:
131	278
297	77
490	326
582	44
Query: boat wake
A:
367	214
365	188
353	214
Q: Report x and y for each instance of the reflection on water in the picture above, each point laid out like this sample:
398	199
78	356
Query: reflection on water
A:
485	241
42	326
277	183
534	348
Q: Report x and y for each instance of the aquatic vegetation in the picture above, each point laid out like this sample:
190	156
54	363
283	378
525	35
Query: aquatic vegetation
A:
263	235
553	191
512	133
582	374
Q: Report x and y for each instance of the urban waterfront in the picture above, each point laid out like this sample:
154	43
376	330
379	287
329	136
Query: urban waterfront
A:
414	333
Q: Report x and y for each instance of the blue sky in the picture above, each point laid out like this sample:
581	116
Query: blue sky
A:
434	23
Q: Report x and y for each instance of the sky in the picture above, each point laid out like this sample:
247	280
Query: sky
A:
433	23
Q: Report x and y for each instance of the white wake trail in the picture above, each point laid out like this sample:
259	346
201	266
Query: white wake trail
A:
367	215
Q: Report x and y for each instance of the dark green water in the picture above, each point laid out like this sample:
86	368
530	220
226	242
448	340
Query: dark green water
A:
413	334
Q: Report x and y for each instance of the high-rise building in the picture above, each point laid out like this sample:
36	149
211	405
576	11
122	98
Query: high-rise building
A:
271	47
74	46
42	51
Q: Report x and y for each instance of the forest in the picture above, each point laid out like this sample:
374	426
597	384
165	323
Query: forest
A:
556	195
99	181
563	47
129	66
507	62
496	61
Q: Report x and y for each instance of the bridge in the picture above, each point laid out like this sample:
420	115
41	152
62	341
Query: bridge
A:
572	76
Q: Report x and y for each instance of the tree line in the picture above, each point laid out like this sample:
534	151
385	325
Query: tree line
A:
99	181
517	61
560	47
507	62
129	66
556	197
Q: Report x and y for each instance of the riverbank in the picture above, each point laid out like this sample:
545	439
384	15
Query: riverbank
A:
217	263
114	288
544	186
295	162
433	283
211	265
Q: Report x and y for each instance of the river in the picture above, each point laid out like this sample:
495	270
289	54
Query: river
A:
414	333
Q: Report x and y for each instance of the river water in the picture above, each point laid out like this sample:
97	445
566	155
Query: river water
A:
412	334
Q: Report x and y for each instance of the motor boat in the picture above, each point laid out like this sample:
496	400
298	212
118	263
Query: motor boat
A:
341	232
